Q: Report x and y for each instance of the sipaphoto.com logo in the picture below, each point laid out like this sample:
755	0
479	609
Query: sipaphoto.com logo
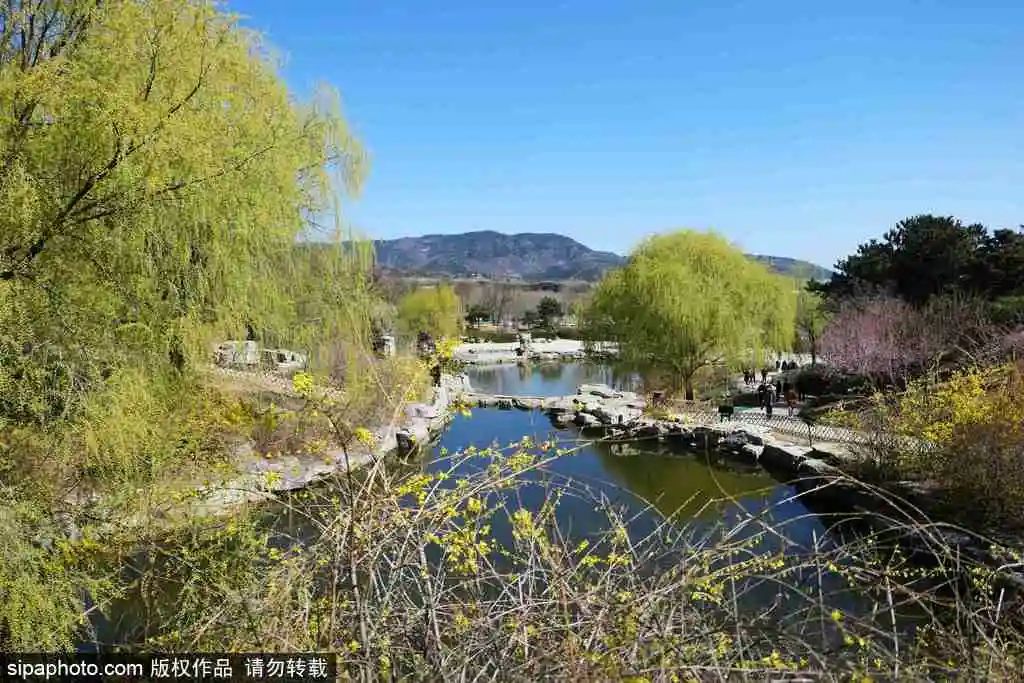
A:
56	669
49	667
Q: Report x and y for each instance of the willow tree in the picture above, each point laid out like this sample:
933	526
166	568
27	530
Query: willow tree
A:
434	310
811	319
154	176
687	300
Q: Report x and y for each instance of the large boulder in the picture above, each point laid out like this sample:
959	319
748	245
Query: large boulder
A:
586	420
602	390
647	430
563	419
558	405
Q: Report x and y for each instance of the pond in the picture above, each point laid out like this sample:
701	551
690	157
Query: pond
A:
693	486
701	493
543	379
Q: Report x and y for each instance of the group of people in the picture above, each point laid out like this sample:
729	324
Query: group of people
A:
769	392
750	376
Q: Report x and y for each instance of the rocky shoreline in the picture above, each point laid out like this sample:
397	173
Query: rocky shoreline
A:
261	479
258	479
899	512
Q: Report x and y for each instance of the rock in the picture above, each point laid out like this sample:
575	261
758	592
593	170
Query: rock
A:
602	390
526	403
586	420
784	457
832	453
421	410
739	438
751	451
558	405
563	419
406	442
646	430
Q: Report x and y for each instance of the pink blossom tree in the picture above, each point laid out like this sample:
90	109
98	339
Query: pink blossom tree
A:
889	340
883	338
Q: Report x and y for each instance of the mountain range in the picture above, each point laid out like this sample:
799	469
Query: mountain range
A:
524	256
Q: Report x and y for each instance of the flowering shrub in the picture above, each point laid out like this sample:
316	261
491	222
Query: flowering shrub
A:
966	433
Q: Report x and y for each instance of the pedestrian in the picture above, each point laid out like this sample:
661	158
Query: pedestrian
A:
778	365
769	401
790	400
746	377
764	375
778	388
761	391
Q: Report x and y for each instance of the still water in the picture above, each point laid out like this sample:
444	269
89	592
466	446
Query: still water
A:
700	492
543	379
693	486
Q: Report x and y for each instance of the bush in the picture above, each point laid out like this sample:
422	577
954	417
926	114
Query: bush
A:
820	380
493	336
413	571
966	434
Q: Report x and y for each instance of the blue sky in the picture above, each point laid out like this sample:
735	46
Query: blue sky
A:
794	128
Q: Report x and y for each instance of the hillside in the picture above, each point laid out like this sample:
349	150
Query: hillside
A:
794	267
524	256
527	256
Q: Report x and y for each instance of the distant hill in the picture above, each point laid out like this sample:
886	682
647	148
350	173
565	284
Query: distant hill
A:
524	256
794	267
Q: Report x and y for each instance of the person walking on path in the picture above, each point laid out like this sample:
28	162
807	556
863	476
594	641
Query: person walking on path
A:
790	400
764	375
769	400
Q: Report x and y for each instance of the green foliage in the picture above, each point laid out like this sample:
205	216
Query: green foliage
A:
811	319
38	588
966	433
498	336
434	310
155	175
1008	310
926	256
478	313
548	309
686	300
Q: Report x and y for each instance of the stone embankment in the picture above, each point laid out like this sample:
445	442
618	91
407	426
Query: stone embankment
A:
600	411
259	478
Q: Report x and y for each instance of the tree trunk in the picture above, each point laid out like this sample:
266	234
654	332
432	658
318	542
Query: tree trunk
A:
688	387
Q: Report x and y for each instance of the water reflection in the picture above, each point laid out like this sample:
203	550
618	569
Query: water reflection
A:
545	379
692	486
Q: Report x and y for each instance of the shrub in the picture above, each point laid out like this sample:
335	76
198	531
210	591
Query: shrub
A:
821	380
966	433
415	571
